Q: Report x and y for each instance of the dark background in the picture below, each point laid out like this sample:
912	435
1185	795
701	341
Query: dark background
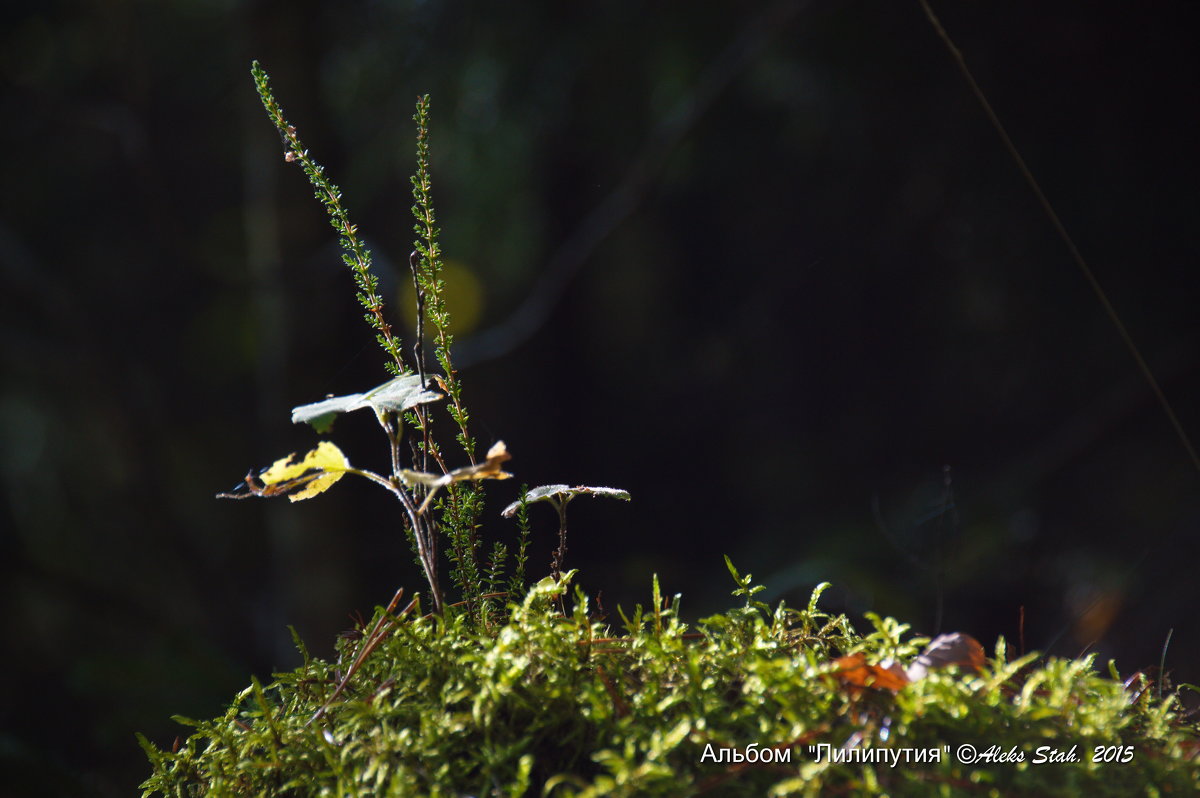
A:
766	267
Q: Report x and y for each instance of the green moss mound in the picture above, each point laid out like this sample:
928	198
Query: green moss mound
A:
749	702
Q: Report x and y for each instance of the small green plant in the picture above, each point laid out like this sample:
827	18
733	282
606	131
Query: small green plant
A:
559	496
403	403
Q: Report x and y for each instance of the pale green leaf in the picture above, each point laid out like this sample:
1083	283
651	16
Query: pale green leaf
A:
396	395
564	493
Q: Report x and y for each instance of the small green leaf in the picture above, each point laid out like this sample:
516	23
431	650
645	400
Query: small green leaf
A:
396	395
737	577
553	494
151	750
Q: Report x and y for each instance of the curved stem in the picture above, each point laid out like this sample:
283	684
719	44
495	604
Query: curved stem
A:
419	527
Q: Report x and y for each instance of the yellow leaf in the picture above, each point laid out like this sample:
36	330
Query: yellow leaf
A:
317	472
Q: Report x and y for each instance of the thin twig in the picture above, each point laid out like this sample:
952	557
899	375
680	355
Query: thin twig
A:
1076	256
370	643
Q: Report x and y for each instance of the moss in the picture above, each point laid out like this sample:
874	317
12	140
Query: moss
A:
562	705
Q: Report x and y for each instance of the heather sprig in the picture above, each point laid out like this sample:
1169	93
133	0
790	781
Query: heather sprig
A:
356	256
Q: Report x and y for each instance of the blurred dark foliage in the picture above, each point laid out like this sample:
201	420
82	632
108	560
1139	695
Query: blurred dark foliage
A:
822	283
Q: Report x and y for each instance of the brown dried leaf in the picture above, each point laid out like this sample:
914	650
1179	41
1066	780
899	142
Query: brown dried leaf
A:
855	673
946	650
